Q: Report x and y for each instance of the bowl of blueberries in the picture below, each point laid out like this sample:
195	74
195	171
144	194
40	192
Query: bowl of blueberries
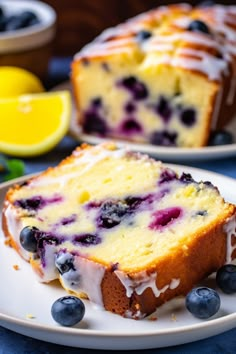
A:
27	30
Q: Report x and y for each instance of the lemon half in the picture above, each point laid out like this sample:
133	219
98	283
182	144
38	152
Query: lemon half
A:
33	124
16	81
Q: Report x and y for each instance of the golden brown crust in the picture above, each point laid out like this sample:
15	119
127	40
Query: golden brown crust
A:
205	255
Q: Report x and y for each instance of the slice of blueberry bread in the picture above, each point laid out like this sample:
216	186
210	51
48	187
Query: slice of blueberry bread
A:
119	228
166	77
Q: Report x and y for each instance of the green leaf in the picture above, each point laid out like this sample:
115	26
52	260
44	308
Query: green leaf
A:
15	168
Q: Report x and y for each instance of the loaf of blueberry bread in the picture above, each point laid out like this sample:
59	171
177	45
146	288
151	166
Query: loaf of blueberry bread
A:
119	228
166	77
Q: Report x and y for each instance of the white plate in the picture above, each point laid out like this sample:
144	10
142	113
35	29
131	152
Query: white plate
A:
22	295
171	154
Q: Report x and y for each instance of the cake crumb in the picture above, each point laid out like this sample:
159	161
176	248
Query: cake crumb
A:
153	318
16	267
30	316
7	242
173	317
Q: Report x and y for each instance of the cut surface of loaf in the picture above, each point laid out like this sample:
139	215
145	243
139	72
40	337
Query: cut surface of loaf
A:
166	77
120	228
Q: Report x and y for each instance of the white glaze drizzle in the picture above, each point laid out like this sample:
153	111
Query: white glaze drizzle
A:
135	315
221	16
208	64
110	47
142	282
91	275
88	159
14	226
188	37
230	230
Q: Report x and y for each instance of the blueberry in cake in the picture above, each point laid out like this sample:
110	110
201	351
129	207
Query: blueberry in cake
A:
166	77
119	228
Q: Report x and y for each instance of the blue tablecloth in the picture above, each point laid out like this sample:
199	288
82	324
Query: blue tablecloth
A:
13	343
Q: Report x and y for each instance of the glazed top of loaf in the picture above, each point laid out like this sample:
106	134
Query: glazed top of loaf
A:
199	39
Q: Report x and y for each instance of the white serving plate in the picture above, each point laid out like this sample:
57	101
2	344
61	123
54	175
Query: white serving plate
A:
22	295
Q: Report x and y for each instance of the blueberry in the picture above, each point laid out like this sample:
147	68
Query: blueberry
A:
164	138
134	202
220	138
93	123
188	117
112	213
87	239
226	278
209	184
186	178
143	35
23	20
28	238
29	18
137	88
69	220
198	26
68	310
129	107
96	102
163	109
201	212
164	217
167	175
64	262
130	126
33	203
202	302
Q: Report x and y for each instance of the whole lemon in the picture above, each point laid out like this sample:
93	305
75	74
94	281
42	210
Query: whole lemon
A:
15	81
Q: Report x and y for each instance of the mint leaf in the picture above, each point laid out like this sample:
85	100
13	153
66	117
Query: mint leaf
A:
14	168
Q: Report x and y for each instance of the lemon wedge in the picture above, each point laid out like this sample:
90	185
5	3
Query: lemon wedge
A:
16	81
33	124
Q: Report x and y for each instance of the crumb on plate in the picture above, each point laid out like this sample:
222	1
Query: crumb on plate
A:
30	316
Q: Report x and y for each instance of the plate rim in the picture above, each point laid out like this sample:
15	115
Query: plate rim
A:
170	153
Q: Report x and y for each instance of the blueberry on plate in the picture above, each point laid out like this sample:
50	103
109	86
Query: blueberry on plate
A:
202	302
68	310
28	238
220	138
226	278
